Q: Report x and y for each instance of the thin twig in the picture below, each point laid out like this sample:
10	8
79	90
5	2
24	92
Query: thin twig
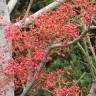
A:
27	12
28	9
82	76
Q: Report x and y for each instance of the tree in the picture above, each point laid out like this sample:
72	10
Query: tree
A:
5	53
33	43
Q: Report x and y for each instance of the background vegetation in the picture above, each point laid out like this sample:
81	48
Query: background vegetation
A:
78	61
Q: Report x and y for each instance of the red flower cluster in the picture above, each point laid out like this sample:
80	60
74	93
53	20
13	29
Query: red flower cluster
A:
54	82
30	42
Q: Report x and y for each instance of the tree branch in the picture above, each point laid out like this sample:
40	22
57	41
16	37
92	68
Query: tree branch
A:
47	8
93	89
47	51
11	5
27	12
29	7
39	13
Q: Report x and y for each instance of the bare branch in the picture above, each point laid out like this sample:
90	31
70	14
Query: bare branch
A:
11	5
47	8
31	84
28	9
39	13
27	12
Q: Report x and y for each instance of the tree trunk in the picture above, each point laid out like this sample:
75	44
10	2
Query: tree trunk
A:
5	52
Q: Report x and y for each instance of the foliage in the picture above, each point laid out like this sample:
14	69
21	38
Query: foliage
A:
64	68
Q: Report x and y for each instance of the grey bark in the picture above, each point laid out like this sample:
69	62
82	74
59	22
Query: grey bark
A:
43	10
11	5
5	51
